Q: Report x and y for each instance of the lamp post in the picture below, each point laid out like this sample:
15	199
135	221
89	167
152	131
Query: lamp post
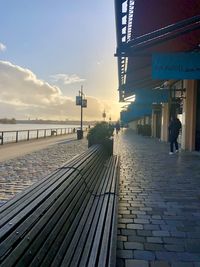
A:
82	102
81	94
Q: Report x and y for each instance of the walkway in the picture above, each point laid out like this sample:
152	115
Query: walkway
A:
159	206
35	160
13	150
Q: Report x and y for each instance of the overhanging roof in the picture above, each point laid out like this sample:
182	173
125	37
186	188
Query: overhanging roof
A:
144	27
136	111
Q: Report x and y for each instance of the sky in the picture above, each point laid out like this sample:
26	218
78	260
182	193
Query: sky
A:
48	49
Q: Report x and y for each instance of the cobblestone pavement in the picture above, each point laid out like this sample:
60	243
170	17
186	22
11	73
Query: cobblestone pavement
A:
19	173
159	206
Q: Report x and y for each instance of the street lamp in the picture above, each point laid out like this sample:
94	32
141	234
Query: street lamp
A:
82	102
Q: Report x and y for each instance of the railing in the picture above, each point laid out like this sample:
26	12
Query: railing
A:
25	135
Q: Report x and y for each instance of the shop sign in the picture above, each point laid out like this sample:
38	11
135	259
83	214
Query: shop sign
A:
176	66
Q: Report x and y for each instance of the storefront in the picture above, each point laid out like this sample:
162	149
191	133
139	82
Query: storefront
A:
197	133
171	33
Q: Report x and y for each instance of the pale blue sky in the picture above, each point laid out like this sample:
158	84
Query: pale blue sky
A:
51	37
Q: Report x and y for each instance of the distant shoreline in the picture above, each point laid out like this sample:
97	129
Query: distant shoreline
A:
46	122
7	121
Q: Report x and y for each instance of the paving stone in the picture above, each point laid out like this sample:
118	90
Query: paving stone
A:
177	234
177	247
144	232
143	216
154	247
160	233
192	245
142	221
156	217
151	227
182	264
173	240
125	220
135	238
120	262
160	222
134	226
124	204
167	256
160	264
151	239
121	225
133	245
193	235
128	232
146	209
138	212
170	228
144	255
129	216
122	238
136	263
135	206
124	254
125	212
186	256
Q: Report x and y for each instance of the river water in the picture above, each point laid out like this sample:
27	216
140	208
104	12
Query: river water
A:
17	127
35	131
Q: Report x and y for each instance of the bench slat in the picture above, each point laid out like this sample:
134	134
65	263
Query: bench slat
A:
62	251
101	223
71	250
83	238
51	249
106	246
94	226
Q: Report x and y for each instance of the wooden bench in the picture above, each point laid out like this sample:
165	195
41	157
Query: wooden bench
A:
69	218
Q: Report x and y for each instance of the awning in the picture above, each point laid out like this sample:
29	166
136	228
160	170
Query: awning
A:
150	27
146	96
136	111
142	106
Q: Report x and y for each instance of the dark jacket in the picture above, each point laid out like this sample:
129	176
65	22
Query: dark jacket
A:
174	128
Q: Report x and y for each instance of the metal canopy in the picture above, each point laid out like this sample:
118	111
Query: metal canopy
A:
142	106
145	27
136	111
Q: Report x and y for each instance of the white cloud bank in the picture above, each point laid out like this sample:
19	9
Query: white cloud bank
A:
23	95
2	47
66	78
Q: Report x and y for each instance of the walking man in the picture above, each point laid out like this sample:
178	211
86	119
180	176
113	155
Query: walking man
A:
174	128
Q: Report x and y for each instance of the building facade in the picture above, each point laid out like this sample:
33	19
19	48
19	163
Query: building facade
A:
158	51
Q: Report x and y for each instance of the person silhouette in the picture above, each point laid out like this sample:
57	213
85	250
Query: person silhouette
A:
117	127
174	129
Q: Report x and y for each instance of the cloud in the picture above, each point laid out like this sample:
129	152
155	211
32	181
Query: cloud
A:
67	78
23	94
2	47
